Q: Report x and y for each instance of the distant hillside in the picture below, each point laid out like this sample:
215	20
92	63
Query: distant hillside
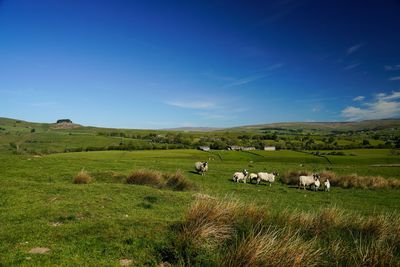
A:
324	126
194	129
311	126
22	137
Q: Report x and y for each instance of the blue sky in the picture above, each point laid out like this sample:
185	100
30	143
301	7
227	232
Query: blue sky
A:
162	64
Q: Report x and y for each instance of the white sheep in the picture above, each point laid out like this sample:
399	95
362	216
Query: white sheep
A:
327	185
252	176
317	184
266	177
309	180
240	176
201	167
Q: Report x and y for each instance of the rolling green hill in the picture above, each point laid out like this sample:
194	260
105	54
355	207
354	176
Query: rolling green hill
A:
365	125
19	136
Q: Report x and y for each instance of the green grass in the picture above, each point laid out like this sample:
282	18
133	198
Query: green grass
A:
108	220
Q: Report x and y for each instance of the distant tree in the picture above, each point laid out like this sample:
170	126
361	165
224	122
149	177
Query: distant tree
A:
218	144
397	142
33	130
365	142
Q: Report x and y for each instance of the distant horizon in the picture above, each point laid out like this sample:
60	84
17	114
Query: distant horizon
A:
199	127
171	64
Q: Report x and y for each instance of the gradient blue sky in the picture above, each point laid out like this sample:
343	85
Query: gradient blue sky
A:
162	64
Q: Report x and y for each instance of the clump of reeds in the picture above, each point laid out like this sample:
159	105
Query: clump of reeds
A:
292	177
145	177
228	233
176	181
271	247
344	181
82	177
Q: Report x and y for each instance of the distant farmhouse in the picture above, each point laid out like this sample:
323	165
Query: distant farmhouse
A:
204	148
269	148
64	121
241	148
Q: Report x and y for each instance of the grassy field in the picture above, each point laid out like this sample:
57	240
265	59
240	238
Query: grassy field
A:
108	220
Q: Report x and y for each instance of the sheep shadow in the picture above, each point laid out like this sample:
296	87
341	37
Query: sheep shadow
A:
247	182
296	187
194	172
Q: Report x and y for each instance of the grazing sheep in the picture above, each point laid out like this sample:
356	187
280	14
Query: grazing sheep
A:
266	177
201	167
317	184
252	176
239	176
327	185
309	181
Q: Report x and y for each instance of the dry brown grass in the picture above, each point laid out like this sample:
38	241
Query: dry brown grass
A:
344	181
82	177
145	177
208	222
373	253
272	248
177	181
364	182
292	177
248	235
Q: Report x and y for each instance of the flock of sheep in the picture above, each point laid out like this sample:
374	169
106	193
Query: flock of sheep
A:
312	181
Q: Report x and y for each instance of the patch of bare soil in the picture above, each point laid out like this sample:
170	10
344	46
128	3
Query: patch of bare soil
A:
125	262
65	125
39	250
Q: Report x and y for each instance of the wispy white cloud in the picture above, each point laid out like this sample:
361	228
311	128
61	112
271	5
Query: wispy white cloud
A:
245	80
394	67
192	104
256	75
396	78
274	66
354	48
383	106
359	98
316	109
280	9
351	66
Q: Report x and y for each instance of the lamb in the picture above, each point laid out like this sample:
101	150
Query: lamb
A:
327	185
239	176
201	167
317	184
309	181
266	177
252	176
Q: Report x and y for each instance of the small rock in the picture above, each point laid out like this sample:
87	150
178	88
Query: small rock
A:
125	262
39	250
55	224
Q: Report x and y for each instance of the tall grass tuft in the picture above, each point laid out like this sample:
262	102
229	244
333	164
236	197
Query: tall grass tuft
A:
271	248
177	181
82	177
292	177
145	177
227	233
344	181
364	182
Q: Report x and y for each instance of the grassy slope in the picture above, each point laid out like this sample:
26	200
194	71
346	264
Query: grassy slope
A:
108	220
327	126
